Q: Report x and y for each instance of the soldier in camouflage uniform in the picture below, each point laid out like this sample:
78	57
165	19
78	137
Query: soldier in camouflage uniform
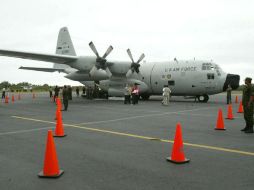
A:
247	100
229	90
65	98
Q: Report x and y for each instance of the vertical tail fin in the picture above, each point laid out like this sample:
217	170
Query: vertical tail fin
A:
64	43
64	47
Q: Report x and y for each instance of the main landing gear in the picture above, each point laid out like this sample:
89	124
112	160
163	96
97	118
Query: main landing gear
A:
145	96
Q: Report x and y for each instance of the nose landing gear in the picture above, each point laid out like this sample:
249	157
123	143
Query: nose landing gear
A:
203	98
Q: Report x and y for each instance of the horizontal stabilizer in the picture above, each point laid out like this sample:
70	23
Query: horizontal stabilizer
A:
42	69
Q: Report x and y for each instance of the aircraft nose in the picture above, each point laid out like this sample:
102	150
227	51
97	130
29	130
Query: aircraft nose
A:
233	80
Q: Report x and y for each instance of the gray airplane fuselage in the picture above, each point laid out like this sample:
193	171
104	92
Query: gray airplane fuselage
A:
185	78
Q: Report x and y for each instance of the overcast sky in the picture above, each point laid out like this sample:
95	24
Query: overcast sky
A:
218	30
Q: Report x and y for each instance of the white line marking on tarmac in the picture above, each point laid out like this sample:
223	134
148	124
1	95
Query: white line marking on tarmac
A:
142	116
127	109
24	131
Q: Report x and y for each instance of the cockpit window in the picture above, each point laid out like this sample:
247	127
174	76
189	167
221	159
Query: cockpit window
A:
207	66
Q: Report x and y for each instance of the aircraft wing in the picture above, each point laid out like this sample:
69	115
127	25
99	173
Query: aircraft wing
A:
42	69
54	58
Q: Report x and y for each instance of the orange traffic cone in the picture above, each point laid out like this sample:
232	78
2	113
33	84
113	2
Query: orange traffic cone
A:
59	103
240	108
6	99
177	155
220	121
230	112
236	99
12	99
59	130
57	110
58	107
51	167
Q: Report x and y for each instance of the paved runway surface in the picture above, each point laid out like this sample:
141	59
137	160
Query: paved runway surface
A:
112	146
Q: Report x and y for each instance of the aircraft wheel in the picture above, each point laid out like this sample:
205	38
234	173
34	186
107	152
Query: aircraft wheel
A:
145	96
204	98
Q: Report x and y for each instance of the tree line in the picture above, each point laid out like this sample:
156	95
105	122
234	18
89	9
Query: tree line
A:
23	87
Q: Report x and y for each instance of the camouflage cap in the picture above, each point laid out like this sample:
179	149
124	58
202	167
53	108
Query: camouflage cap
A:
248	79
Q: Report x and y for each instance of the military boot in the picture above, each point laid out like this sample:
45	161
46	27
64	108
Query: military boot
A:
249	130
245	128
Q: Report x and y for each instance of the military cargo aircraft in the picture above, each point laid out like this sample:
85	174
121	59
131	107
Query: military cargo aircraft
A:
193	78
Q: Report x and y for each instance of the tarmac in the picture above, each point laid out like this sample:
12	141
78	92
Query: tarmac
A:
112	146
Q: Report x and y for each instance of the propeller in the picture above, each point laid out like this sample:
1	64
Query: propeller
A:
101	62
134	65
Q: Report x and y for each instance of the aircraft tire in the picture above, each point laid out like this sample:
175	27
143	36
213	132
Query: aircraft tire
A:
145	96
204	98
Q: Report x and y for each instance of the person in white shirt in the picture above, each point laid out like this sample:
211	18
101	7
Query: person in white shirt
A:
166	95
